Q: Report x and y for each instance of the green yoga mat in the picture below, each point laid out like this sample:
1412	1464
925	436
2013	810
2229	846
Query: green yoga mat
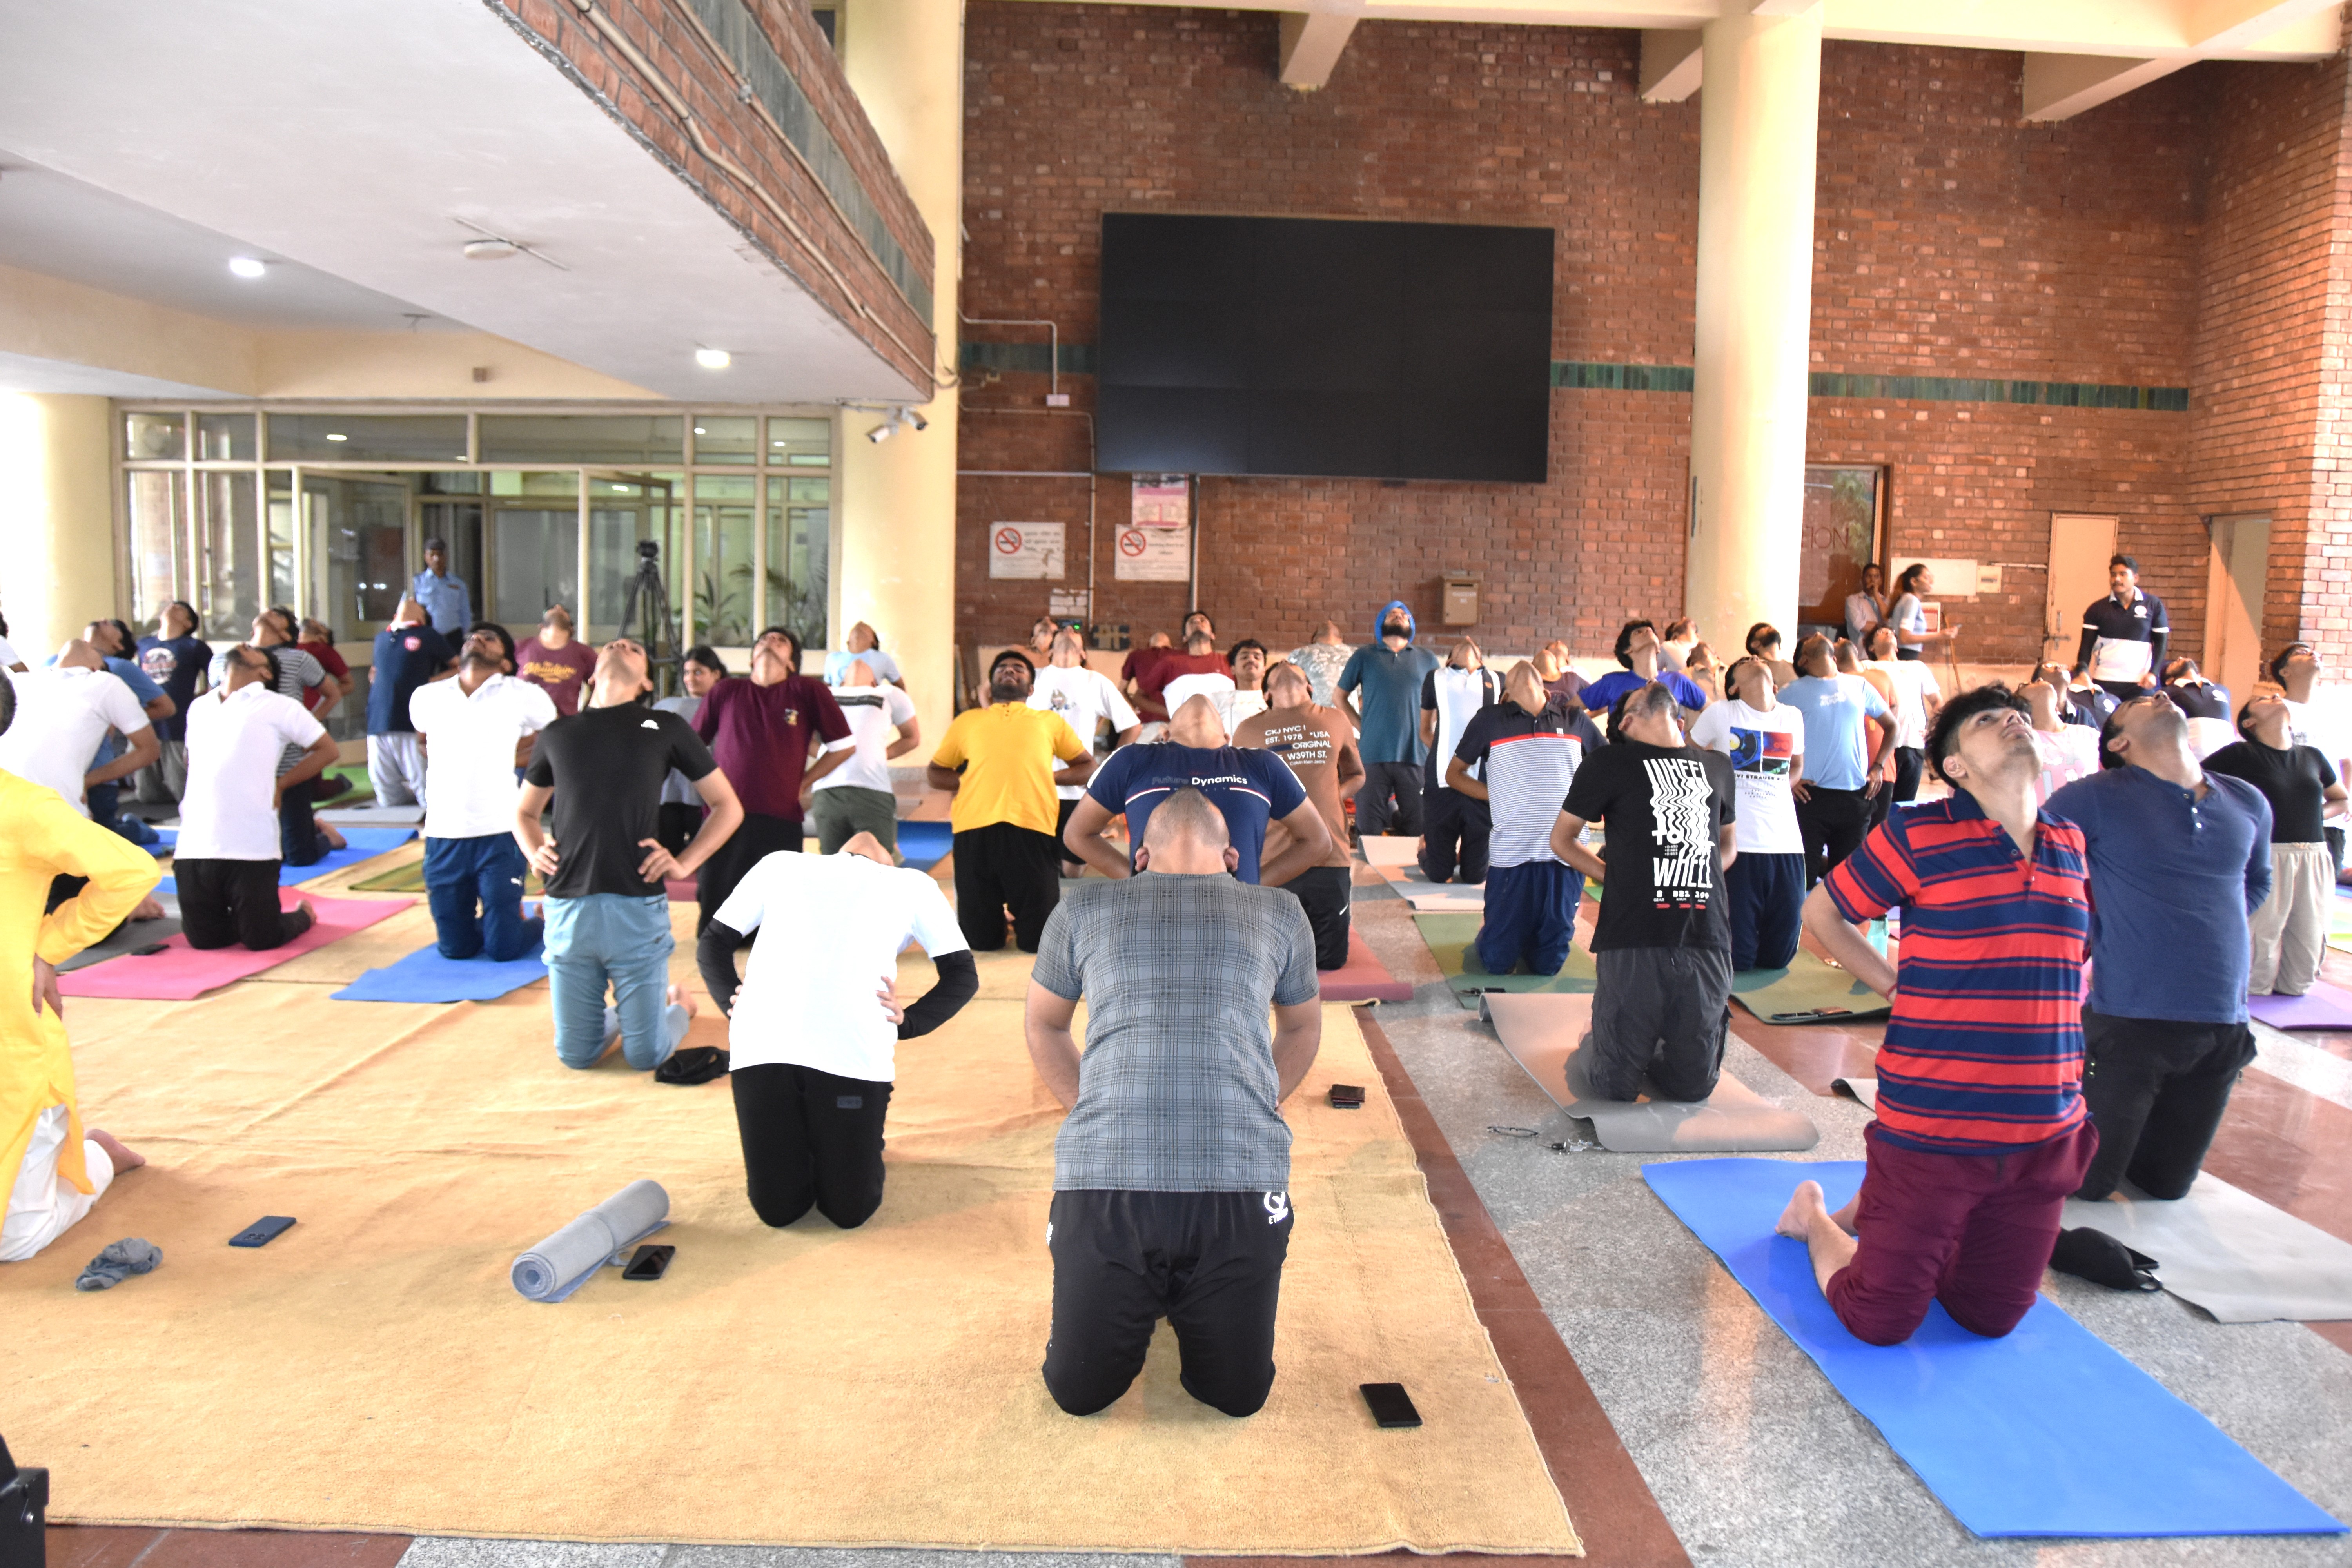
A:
410	879
1449	938
1807	992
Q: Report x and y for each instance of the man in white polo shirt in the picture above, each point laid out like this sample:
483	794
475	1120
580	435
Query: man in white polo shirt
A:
63	712
473	725
1085	697
228	860
815	1022
857	797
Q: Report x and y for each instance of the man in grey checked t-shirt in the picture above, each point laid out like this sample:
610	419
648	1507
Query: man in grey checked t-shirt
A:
1171	1173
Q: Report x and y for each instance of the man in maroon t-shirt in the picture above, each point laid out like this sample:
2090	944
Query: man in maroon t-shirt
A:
556	661
762	732
1200	657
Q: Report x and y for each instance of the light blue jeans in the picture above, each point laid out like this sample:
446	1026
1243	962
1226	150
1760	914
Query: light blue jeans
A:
624	940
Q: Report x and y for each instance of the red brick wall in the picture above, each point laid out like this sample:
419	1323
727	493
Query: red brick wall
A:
663	35
1953	241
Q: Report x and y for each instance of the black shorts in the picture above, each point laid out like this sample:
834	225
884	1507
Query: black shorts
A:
1325	893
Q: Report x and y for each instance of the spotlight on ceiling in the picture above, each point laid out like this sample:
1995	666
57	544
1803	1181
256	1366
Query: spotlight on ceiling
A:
491	249
713	359
247	266
900	419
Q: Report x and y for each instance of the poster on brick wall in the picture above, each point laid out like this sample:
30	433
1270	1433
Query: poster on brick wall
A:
1161	500
1153	554
1026	550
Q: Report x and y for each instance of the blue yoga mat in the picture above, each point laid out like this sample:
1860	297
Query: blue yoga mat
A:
426	976
2049	1431
925	844
360	844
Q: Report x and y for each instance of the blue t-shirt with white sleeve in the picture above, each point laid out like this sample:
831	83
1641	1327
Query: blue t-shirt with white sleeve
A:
1249	786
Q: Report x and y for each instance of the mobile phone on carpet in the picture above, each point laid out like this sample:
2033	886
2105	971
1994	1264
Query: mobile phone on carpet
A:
263	1231
1348	1096
1391	1407
650	1261
150	950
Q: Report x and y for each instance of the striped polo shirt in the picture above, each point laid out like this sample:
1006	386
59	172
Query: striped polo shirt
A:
1984	1053
1528	761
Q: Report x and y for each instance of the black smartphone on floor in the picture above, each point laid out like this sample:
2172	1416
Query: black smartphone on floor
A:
650	1261
1391	1407
263	1231
1348	1096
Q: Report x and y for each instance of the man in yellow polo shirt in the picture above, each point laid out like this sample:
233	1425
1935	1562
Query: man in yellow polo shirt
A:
998	763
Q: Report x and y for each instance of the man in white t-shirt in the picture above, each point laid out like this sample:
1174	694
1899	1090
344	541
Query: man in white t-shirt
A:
63	713
1086	697
474	725
1916	698
814	1021
228	860
1764	888
857	797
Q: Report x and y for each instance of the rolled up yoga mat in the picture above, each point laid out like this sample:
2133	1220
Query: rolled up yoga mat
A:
563	1262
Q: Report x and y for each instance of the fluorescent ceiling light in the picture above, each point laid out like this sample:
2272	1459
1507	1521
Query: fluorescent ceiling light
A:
713	359
247	266
333	437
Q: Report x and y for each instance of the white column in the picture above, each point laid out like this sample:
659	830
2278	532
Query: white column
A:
896	500
57	519
1759	114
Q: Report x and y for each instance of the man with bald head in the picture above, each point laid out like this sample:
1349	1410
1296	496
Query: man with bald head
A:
1249	787
604	866
1171	1173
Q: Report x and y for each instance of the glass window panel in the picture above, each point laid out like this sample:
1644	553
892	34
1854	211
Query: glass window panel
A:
465	484
159	528
560	482
359	552
614	532
535	562
1841	537
281	542
800	443
800	555
153	437
726	438
722	558
228	553
582	439
226	437
368	437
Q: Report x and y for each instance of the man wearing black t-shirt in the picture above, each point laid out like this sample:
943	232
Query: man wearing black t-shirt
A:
603	866
2289	933
1663	1002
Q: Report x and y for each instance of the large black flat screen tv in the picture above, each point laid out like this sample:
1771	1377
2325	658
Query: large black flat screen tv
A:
1311	346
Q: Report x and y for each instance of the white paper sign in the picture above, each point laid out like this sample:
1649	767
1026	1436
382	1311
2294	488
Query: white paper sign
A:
1159	501
1025	550
1153	554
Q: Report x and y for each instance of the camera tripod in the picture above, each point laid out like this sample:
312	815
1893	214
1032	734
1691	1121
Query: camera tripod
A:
645	602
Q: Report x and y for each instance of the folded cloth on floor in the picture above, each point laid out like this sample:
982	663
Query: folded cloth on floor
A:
1363	978
426	976
2096	1255
2017	1437
2240	1258
1808	992
182	973
562	1263
693	1065
2324	1006
117	1262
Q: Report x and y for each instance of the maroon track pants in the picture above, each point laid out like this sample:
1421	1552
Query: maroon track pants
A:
1972	1231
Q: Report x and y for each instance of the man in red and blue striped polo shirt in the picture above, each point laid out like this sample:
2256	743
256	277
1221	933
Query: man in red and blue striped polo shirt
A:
1980	1136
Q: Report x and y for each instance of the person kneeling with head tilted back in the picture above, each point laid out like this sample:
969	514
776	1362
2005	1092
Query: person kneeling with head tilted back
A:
1981	1134
1171	1174
815	1017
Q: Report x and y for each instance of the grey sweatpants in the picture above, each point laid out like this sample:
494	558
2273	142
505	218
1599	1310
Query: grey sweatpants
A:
1662	1012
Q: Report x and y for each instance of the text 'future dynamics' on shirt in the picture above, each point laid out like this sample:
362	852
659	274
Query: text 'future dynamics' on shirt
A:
1249	789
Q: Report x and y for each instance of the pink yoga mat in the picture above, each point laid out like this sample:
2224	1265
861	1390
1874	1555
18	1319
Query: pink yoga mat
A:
2324	1006
1364	978
181	974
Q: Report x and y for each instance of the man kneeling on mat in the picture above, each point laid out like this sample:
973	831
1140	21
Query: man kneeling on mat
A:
1171	1176
1980	1136
226	864
810	1053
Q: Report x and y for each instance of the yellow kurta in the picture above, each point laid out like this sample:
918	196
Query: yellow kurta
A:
44	837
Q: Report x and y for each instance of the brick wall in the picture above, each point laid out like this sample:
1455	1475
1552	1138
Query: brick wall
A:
1952	241
825	255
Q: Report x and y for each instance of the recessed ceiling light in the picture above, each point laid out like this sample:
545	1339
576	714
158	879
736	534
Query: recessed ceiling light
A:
713	359
491	249
247	266
332	435
700	431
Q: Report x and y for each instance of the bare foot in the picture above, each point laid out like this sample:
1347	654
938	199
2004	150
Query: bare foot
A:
334	839
148	910
679	996
125	1158
302	905
1796	1220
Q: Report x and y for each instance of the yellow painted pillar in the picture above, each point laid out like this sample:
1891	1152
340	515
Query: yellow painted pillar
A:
57	519
896	566
1760	116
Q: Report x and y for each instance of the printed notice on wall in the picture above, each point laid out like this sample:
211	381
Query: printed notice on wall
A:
1026	550
1153	554
1161	500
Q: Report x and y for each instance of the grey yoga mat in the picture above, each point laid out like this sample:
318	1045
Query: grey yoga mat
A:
2229	1252
1543	1031
563	1262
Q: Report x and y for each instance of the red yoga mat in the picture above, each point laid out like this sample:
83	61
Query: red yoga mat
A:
182	973
1364	978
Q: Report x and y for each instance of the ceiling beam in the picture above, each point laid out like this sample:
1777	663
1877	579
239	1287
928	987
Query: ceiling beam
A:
1311	44
2059	87
1670	64
2240	24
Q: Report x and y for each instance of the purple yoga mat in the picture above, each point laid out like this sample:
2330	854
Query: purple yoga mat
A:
2324	1006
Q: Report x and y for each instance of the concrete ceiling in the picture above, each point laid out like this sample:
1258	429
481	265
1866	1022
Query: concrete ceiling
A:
358	142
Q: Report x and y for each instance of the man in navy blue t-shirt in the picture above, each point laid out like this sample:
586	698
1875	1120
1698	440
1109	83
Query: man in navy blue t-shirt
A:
408	653
1249	788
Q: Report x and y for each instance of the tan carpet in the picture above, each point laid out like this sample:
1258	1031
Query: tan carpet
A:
373	1370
